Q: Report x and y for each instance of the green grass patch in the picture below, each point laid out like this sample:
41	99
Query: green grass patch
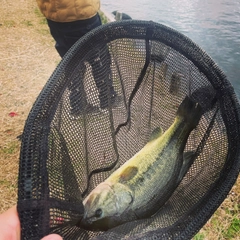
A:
4	182
103	17
7	184
233	230
199	236
42	19
27	23
10	148
38	12
9	23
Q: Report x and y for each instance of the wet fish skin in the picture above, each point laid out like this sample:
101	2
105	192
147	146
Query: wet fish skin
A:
145	182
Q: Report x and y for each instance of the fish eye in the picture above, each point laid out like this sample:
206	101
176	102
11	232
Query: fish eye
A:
98	212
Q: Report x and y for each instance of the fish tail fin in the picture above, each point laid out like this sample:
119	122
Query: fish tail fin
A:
190	111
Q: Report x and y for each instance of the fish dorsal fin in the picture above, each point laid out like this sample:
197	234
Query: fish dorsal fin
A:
128	173
156	133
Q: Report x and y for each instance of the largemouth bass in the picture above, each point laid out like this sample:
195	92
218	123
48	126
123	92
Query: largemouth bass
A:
140	187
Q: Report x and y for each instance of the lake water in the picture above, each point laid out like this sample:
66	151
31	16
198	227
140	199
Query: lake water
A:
213	24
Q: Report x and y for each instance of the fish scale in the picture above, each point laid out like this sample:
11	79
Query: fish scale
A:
157	171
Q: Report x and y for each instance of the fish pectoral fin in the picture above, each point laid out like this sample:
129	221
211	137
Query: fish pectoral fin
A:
156	133
187	162
127	174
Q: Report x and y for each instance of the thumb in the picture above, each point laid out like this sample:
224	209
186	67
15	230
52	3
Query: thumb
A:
52	237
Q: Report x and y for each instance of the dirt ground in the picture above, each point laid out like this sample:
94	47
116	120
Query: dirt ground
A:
27	59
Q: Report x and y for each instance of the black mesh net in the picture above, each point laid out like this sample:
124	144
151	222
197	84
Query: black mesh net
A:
100	106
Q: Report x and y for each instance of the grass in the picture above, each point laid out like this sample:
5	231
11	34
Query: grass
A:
27	59
225	222
9	149
9	23
27	23
233	230
103	17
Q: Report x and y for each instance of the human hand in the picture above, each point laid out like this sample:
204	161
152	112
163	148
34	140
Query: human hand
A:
10	226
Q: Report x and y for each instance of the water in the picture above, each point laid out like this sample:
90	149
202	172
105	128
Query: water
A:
213	24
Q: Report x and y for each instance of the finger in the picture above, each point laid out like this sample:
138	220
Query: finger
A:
10	224
52	237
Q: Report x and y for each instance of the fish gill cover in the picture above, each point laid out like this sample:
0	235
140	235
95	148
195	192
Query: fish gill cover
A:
115	93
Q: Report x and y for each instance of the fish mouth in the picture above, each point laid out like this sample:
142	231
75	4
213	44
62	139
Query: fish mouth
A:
85	224
99	225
